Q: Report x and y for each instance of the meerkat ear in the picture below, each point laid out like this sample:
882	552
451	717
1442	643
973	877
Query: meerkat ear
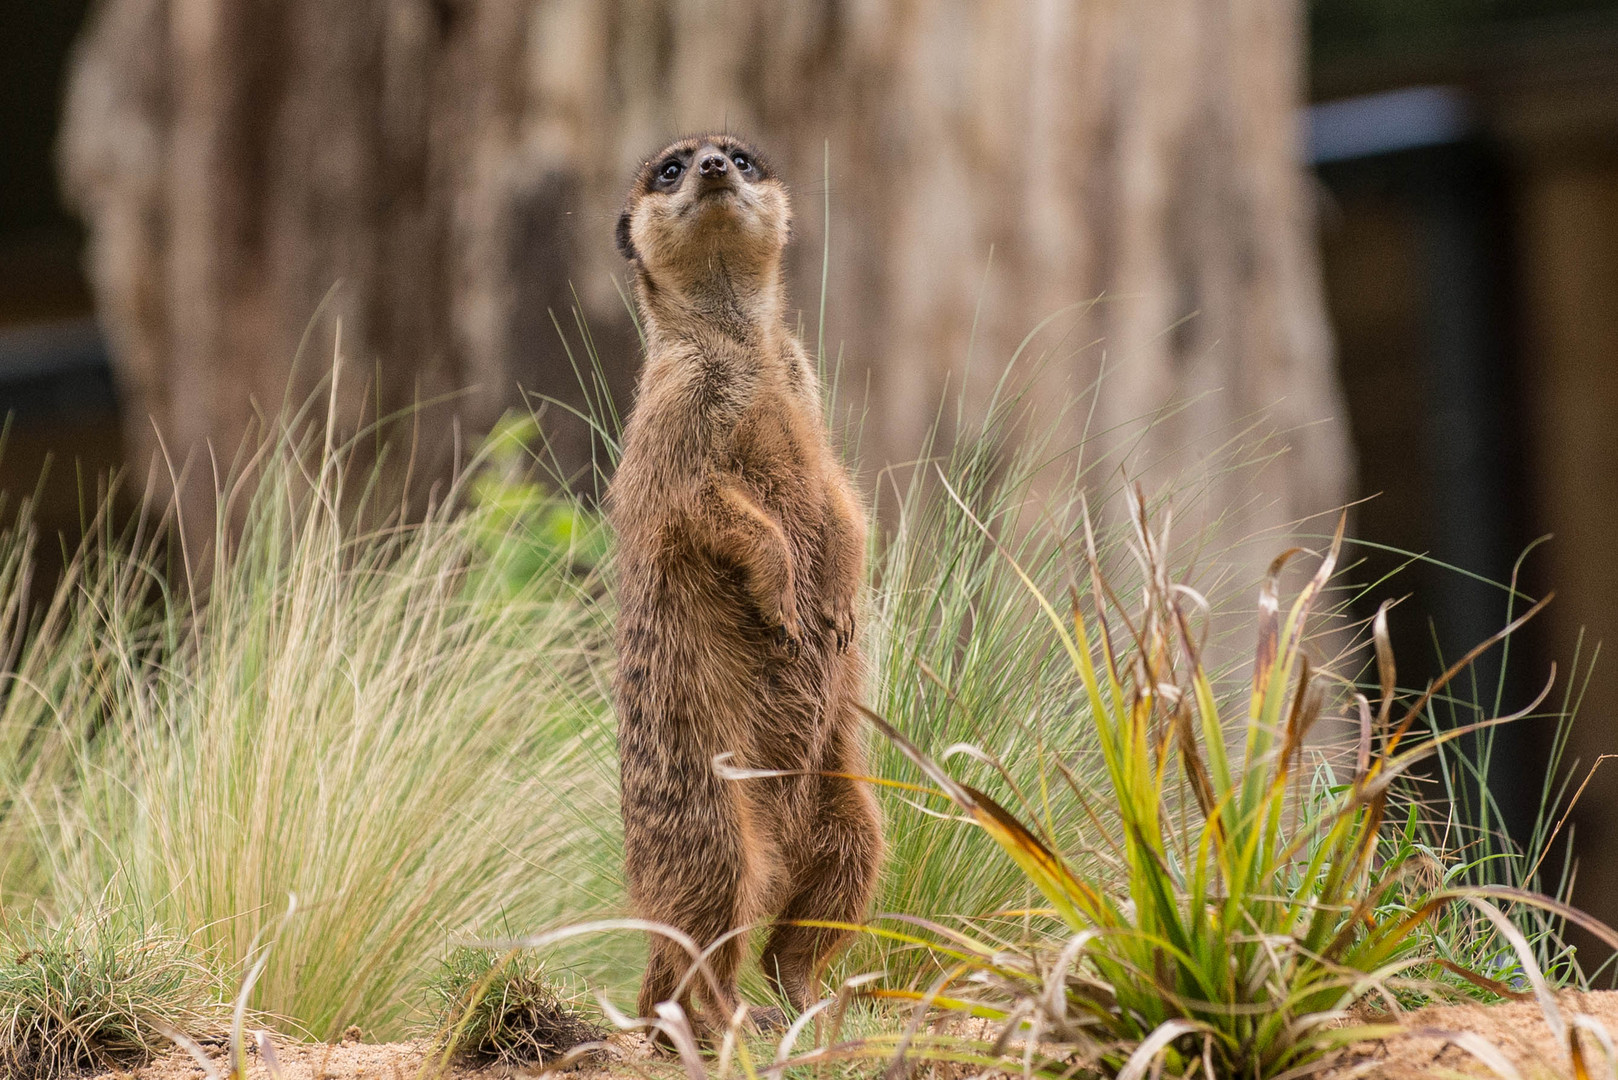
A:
626	247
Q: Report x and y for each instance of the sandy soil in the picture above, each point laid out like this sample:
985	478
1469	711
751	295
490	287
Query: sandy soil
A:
1517	1030
380	1061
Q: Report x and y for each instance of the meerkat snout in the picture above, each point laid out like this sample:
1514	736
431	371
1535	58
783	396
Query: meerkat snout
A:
713	165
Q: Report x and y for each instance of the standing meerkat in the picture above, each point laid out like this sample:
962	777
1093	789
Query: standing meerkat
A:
741	557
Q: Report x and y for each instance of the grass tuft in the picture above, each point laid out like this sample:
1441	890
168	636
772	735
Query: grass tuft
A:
503	1007
96	991
359	714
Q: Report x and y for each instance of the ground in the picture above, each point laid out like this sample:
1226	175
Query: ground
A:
378	1061
1518	1030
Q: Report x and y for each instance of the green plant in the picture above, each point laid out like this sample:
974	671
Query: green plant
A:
1472	830
98	990
1452	818
504	1007
530	537
1250	908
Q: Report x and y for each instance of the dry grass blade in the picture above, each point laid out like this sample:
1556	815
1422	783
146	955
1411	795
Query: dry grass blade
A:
1459	666
1483	982
1146	1054
674	1023
1387	670
1603	1037
1575	1053
1269	618
267	1055
194	1049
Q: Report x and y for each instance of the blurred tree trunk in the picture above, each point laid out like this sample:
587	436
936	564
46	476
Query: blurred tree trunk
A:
457	165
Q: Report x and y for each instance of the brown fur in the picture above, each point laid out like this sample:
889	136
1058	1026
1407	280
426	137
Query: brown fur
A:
741	554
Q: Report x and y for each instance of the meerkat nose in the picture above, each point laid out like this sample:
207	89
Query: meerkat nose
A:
713	165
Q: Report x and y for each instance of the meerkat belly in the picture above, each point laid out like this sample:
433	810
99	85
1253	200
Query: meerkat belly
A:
700	662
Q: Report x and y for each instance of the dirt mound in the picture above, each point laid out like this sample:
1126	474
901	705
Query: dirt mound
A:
1518	1030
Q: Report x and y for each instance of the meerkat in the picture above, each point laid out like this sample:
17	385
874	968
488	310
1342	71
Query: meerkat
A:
741	549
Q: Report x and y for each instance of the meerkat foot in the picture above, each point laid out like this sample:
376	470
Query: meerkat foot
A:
767	1019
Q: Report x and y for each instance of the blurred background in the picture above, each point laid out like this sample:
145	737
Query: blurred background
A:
1386	229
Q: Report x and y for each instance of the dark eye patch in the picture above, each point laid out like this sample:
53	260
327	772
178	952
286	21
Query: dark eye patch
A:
746	161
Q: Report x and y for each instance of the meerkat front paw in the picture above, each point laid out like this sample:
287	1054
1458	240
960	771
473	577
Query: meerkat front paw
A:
838	614
788	632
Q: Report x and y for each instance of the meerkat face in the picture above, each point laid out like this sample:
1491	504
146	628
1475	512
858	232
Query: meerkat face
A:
705	196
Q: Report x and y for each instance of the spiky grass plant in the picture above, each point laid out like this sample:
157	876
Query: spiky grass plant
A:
504	1007
98	990
1245	909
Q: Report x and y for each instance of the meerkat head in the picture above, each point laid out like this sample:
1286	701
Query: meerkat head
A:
705	205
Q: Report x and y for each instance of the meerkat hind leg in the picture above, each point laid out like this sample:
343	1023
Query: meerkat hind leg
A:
700	876
714	987
665	967
834	884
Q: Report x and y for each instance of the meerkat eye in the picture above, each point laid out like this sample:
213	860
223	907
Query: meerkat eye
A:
670	171
742	163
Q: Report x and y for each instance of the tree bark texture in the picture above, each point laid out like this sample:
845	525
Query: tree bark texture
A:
457	165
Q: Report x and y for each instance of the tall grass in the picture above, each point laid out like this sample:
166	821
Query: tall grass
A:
352	717
960	654
1454	814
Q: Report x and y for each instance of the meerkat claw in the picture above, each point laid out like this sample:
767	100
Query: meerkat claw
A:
841	625
787	640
